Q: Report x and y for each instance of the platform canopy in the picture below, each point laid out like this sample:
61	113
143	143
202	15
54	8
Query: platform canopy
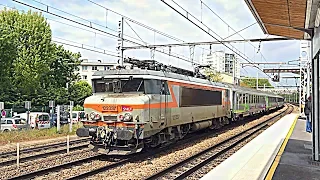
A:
285	18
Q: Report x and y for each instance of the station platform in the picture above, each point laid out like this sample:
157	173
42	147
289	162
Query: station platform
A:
283	151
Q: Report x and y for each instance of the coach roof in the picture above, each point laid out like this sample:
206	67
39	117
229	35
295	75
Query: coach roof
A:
163	74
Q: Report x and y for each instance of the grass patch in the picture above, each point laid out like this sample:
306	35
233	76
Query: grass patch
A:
36	134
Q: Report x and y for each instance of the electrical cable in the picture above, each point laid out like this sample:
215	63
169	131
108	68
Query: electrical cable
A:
90	26
208	32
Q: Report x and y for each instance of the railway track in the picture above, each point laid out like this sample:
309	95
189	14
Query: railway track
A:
190	165
57	148
120	162
55	168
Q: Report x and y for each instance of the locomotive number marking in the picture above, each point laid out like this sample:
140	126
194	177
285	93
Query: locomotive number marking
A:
109	108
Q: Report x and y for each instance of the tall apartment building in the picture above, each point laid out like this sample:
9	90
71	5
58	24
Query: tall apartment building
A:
223	62
232	64
216	60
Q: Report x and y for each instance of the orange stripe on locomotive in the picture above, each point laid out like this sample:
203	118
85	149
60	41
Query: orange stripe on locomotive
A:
173	104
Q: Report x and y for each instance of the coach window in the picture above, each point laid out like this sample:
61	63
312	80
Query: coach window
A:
203	97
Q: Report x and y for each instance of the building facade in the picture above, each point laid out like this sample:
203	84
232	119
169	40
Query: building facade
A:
86	69
216	60
232	65
223	62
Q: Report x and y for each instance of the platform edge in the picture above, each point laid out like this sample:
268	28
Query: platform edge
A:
277	158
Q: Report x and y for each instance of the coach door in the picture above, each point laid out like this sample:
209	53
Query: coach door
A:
164	110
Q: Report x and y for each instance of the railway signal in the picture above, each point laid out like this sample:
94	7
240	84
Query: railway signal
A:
27	105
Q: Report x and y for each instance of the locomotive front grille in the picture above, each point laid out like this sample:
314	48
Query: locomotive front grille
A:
110	118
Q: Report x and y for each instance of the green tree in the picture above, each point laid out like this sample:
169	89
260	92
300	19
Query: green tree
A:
32	66
79	91
252	82
77	108
213	75
8	53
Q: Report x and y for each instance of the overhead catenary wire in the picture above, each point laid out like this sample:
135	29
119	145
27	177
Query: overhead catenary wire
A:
90	26
259	47
79	45
106	35
208	32
189	61
141	24
135	32
228	24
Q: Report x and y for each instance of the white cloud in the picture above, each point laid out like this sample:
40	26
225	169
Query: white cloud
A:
159	16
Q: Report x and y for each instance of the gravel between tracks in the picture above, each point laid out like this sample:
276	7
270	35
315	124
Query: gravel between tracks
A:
143	169
31	144
67	173
40	152
30	166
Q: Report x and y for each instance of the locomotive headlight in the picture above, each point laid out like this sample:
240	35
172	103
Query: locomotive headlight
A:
92	115
127	117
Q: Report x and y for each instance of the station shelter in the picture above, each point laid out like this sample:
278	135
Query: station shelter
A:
295	19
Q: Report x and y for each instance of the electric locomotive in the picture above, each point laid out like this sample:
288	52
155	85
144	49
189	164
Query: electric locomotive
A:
132	109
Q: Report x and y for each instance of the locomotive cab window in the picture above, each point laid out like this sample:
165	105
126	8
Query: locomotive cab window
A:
154	86
119	85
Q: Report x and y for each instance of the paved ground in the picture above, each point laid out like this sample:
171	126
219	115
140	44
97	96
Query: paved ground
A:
296	162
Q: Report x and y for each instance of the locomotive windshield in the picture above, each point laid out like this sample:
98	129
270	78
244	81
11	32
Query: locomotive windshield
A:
138	85
119	85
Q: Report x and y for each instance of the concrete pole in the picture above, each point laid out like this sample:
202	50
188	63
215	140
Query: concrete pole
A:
257	80
58	118
315	102
122	22
70	125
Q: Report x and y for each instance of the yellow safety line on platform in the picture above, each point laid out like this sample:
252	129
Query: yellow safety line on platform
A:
276	161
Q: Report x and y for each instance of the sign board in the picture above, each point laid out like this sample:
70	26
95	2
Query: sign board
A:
27	104
304	50
62	108
71	103
51	104
1	105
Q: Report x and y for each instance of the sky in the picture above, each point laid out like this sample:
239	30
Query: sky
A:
93	24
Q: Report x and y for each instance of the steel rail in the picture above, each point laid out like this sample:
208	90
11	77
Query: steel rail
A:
99	170
182	175
42	155
55	168
41	148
